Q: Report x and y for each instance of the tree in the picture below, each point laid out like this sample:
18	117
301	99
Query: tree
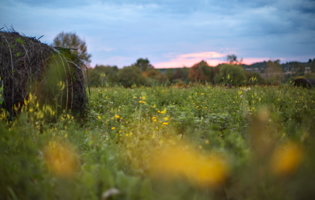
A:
273	72
74	43
154	76
131	75
254	78
103	75
180	75
231	75
232	59
201	72
143	64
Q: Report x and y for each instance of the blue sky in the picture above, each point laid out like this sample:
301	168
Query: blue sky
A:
172	33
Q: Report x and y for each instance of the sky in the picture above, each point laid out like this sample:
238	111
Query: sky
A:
172	33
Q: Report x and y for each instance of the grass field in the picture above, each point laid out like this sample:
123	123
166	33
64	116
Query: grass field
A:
199	142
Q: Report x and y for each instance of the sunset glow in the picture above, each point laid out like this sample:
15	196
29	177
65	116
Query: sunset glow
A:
212	58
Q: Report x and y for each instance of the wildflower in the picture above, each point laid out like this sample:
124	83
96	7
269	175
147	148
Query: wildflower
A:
286	159
163	111
113	128
165	123
142	102
61	159
154	119
202	93
99	117
203	170
117	116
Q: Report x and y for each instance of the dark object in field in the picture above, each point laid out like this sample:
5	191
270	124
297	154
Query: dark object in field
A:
29	66
303	82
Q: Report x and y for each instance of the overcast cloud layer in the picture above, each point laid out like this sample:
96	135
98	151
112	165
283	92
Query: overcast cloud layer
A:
173	33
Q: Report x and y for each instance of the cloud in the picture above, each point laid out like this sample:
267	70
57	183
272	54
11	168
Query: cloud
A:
150	28
212	58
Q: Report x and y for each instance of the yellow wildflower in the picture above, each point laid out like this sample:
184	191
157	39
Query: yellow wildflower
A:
203	170
286	159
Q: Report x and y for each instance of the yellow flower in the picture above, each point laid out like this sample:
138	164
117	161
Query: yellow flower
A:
99	117
163	111
165	123
202	93
113	128
61	159
202	169
286	159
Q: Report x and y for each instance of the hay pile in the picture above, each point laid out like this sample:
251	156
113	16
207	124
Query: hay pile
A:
28	66
303	82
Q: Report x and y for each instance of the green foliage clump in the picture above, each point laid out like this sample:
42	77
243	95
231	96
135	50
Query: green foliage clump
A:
231	75
132	75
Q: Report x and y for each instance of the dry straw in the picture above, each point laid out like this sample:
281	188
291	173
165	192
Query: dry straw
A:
55	75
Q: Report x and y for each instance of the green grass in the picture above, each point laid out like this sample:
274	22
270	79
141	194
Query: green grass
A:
263	138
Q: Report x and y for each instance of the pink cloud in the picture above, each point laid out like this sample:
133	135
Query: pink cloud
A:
189	60
203	55
212	58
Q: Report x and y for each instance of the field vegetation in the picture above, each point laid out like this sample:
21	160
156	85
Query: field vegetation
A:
193	142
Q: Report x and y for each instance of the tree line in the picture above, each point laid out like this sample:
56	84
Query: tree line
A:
143	73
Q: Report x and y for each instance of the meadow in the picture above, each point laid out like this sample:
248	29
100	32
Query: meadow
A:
195	142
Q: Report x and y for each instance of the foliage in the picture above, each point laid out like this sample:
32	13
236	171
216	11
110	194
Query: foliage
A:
101	76
180	75
198	142
254	78
154	76
73	42
273	72
143	64
230	75
201	72
132	75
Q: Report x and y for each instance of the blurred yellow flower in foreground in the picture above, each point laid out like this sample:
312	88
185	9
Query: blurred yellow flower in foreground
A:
286	159
61	159
179	160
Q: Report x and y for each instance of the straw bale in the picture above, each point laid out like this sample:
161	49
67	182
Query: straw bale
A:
29	66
